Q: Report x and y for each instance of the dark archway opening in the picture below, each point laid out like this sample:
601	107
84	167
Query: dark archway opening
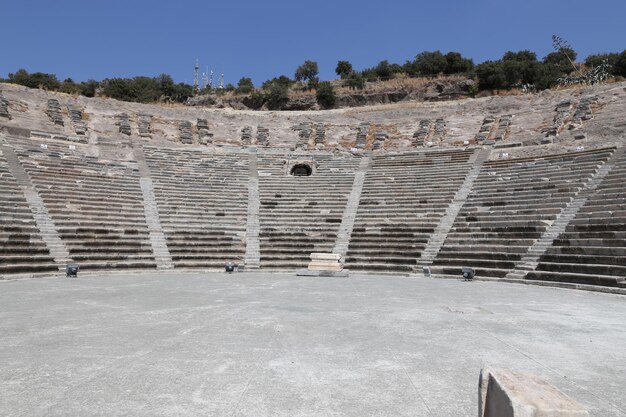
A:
301	170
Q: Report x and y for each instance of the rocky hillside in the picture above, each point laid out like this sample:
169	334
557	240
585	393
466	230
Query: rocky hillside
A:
384	93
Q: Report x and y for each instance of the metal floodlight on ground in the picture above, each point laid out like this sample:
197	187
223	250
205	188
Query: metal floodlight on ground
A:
468	273
71	270
229	267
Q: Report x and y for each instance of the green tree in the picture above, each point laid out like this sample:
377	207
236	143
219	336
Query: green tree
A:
35	80
455	63
343	69
325	95
491	75
277	96
144	90
383	70
620	65
182	92
165	85
563	59
520	67
429	63
244	86
282	80
596	60
88	88
306	71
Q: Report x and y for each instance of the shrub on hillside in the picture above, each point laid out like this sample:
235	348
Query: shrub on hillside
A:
325	95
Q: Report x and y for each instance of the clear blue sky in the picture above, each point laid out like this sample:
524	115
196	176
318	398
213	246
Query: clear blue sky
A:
81	40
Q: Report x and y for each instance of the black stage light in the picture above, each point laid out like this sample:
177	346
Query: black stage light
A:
71	270
229	267
468	273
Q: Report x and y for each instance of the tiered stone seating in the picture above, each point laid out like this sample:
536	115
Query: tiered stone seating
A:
379	138
262	136
21	248
4	107
512	203
204	135
485	129
562	113
440	130
76	116
144	125
185	132
422	133
361	135
592	250
246	135
304	134
320	133
582	114
202	201
402	201
123	124
96	206
54	112
300	215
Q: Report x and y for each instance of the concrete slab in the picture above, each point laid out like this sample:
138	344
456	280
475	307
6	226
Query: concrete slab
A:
261	344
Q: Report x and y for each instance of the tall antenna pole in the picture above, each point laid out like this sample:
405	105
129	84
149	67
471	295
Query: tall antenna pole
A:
222	79
195	78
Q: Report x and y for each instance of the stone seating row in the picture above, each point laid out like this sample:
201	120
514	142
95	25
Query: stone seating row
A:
402	202
511	205
96	206
202	202
22	249
300	215
592	250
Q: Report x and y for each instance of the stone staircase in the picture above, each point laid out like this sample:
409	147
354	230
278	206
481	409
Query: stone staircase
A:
439	236
530	261
160	250
349	214
162	255
253	252
48	230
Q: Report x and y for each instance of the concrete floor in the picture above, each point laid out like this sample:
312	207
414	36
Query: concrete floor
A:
279	345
